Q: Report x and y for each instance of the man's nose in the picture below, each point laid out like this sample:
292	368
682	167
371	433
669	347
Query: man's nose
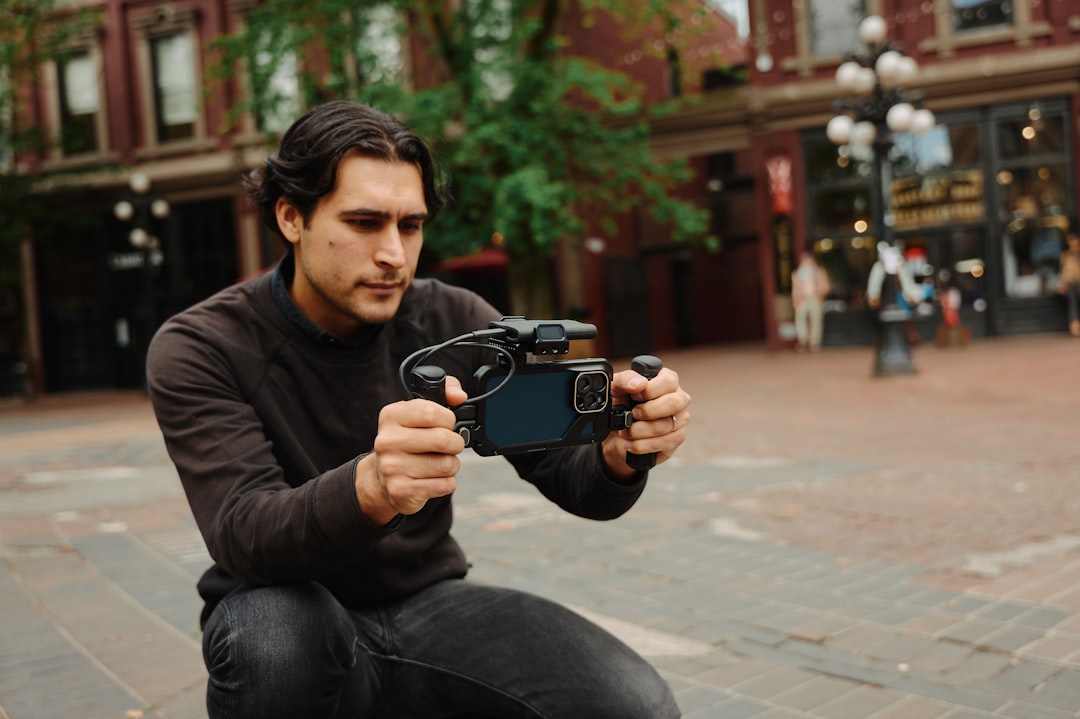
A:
391	249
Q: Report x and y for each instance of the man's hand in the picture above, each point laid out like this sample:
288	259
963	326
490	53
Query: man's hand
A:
415	457
660	420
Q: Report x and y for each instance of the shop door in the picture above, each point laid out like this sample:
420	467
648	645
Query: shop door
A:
955	259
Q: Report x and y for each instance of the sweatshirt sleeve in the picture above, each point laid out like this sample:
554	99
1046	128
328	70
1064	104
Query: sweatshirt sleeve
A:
578	481
256	525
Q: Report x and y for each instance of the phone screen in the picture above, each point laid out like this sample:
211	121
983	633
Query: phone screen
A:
531	409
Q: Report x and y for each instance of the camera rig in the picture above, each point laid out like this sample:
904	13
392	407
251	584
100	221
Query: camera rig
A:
518	343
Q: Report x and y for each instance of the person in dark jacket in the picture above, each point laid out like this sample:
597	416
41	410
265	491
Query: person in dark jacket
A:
323	490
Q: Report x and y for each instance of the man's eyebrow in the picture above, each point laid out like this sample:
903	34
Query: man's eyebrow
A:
381	214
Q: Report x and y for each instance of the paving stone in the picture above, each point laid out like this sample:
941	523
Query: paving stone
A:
977	666
913	708
700	697
859	703
897	616
934	622
1019	678
730	675
1024	710
815	692
777	713
967	604
739	708
898	648
970	630
939	657
775	681
1010	638
1043	617
1060	691
1004	610
934	598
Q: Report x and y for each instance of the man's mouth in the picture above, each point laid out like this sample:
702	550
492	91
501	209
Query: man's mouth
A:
382	286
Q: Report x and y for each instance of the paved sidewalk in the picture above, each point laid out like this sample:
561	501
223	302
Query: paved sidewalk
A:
828	545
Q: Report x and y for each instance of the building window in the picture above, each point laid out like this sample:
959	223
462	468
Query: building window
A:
972	23
976	14
79	100
834	26
169	70
175	103
824	31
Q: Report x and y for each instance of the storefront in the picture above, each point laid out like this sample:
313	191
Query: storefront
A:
101	300
981	203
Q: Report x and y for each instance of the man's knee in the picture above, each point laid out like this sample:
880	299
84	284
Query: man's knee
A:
270	625
273	645
636	691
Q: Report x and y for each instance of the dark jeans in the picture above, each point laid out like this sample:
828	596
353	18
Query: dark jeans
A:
456	649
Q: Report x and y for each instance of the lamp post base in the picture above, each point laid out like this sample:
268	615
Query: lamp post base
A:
892	351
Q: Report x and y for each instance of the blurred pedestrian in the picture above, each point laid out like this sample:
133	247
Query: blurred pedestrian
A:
809	288
1069	281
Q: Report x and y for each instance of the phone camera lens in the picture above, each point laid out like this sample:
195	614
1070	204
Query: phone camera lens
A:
591	392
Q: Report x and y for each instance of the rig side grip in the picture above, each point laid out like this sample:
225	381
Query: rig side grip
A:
648	367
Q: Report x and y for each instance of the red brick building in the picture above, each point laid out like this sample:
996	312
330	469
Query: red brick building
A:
985	196
131	99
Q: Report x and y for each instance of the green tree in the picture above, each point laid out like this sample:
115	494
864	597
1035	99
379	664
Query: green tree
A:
536	142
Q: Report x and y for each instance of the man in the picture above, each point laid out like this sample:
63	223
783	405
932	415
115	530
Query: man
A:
323	491
809	288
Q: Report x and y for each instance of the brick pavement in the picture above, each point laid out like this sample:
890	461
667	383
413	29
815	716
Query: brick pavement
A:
828	545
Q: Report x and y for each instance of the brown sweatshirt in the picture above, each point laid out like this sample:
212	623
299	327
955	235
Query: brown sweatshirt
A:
265	417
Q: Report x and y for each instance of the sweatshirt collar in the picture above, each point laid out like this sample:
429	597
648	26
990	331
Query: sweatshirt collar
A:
279	289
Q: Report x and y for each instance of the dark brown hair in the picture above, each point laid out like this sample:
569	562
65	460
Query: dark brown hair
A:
305	167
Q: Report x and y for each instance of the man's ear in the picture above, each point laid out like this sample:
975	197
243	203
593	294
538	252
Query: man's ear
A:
289	220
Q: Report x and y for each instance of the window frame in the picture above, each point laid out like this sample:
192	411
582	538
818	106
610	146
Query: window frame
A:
805	61
947	40
164	21
88	43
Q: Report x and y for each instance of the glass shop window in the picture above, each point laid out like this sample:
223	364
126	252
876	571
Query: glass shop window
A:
840	215
1033	181
841	211
1031	136
977	14
1036	211
938	180
77	83
175	95
847	260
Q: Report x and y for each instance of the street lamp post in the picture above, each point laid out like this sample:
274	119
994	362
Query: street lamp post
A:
881	104
141	209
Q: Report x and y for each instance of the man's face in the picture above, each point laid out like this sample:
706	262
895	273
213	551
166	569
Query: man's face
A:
357	252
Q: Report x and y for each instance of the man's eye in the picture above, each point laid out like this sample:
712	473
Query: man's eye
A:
412	226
